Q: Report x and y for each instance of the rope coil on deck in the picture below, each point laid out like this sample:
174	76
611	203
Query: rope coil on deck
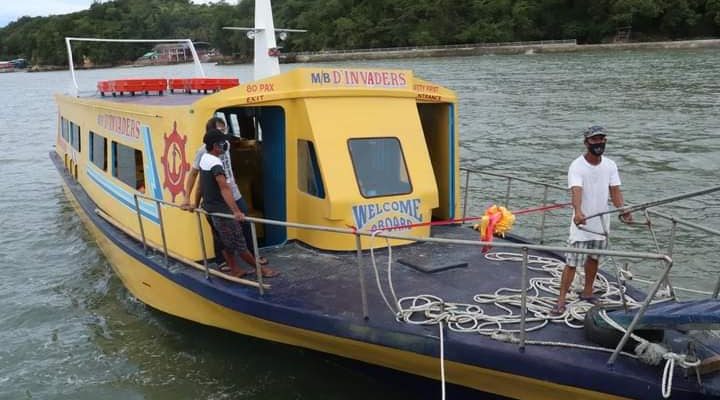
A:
428	309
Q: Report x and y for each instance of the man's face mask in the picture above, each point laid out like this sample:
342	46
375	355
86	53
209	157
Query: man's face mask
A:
596	148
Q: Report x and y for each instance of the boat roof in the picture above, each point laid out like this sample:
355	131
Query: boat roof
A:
167	99
300	83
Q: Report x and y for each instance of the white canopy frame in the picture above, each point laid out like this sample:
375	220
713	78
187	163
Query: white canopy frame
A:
68	40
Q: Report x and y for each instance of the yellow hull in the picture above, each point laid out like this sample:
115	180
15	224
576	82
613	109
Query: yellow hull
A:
160	293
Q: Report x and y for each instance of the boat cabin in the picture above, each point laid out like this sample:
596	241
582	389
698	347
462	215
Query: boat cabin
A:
363	148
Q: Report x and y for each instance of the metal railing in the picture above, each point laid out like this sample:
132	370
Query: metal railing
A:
439	47
506	201
647	212
676	221
252	221
524	248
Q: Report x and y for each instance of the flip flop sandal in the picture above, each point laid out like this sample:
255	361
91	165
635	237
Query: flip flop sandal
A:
558	310
590	299
270	274
239	274
224	268
265	273
263	261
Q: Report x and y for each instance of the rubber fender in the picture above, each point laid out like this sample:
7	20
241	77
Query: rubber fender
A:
599	332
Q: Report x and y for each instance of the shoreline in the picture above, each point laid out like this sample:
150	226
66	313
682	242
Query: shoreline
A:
492	49
557	46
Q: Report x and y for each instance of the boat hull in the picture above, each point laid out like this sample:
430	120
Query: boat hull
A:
158	291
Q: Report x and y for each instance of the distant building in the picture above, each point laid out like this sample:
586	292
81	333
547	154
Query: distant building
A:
172	53
19	63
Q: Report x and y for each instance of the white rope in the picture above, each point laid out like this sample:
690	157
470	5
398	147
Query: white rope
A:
442	359
427	309
669	369
377	274
461	317
668	377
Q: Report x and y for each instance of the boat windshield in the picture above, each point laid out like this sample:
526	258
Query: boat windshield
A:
379	167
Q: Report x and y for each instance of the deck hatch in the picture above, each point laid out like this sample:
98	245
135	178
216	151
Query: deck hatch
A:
431	265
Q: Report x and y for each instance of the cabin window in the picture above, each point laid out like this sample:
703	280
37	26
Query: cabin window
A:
98	150
64	129
242	122
379	166
128	166
309	178
233	125
75	136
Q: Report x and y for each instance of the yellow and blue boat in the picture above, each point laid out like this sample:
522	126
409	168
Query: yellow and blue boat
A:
333	162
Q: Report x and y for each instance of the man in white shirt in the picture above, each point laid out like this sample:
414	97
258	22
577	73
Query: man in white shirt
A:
592	178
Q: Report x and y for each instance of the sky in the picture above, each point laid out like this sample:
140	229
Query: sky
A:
10	10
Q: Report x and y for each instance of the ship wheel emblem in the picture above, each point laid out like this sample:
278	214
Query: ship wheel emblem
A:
174	163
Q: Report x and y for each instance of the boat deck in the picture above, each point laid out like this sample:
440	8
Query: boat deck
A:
324	289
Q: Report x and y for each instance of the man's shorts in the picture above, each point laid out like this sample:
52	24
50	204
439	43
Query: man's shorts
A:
578	259
230	234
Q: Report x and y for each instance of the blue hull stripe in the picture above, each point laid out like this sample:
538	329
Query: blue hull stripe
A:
152	174
125	198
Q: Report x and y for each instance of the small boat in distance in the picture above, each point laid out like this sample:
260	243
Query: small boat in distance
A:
7	66
353	181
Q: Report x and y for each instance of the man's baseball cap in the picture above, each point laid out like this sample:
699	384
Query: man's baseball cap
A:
215	136
594	130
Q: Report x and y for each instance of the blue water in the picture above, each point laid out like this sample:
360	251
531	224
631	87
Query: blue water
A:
69	330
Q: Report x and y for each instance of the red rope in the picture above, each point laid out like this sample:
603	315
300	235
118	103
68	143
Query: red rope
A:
461	220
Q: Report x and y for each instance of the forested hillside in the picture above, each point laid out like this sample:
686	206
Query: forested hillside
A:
347	24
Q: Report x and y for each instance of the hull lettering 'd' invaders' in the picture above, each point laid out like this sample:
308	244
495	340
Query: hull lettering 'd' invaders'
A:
342	77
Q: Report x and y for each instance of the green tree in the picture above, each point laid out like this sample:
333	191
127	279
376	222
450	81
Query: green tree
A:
348	24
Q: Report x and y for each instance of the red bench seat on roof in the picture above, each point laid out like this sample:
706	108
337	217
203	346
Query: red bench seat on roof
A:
132	86
205	84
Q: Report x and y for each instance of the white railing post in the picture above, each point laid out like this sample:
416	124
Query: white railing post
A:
202	245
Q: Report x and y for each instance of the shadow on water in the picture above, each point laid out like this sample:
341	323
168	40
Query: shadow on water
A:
174	357
79	334
138	352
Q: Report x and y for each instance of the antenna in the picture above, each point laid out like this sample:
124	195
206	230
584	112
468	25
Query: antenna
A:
266	53
191	46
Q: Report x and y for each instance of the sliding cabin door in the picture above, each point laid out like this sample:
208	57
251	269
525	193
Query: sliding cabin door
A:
272	121
259	165
439	130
